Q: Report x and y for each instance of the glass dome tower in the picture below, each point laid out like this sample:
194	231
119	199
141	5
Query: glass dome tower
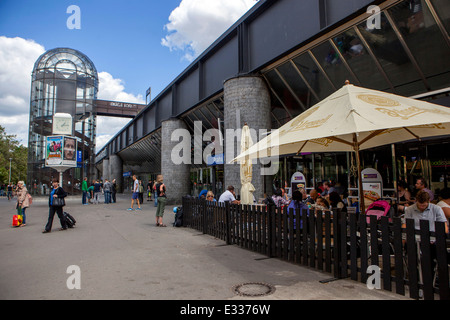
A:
63	81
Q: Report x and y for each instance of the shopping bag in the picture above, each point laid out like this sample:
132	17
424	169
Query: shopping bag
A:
17	220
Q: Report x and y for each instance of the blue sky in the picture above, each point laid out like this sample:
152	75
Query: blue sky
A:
120	37
134	45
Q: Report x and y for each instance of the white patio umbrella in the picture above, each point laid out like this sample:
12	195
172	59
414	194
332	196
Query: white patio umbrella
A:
353	119
247	187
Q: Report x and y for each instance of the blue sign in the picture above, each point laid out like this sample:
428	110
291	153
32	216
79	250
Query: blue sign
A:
79	156
215	160
127	174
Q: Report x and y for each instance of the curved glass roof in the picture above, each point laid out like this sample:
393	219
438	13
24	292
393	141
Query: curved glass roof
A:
68	59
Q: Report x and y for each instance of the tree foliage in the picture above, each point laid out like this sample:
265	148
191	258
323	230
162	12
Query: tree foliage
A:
10	148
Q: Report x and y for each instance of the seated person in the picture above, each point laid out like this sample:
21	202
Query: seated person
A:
322	204
424	210
298	205
445	202
313	194
210	196
278	198
336	201
229	195
421	185
202	194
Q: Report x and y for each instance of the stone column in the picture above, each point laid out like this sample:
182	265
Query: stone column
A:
246	100
176	176
105	170
116	171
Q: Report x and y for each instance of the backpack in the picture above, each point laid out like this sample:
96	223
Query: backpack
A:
267	201
178	222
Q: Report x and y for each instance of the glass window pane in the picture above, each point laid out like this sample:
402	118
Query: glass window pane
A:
282	91
389	51
359	60
424	39
313	75
332	64
299	87
442	8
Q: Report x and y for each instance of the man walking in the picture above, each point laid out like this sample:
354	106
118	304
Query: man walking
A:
84	188
135	194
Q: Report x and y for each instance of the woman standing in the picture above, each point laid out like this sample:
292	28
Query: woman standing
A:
56	206
22	201
161	196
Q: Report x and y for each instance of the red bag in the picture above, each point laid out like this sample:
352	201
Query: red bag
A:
17	220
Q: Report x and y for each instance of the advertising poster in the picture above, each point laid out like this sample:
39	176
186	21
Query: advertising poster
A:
298	181
69	151
54	151
61	151
372	186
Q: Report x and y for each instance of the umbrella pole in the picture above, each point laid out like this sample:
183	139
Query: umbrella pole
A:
358	164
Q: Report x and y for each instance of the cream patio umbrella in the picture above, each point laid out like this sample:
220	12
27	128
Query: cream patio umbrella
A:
247	188
353	119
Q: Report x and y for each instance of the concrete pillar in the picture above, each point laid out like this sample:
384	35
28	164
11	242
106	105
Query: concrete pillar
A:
246	100
116	171
176	176
105	170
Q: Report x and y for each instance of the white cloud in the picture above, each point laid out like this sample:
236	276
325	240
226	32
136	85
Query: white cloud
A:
17	58
112	89
196	24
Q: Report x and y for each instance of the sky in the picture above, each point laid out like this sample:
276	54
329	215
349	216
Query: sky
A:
134	45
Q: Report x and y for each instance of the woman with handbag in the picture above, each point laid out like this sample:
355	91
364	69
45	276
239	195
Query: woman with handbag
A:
23	201
56	203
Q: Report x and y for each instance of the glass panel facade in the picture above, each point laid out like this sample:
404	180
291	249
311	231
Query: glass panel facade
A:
442	8
408	55
332	64
358	58
63	80
316	79
422	36
390	53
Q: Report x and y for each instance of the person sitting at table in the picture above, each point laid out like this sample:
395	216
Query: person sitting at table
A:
313	195
424	210
445	202
284	194
404	196
229	195
298	205
210	196
421	185
322	204
278	198
336	201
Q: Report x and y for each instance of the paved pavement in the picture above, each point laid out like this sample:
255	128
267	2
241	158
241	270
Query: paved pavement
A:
122	255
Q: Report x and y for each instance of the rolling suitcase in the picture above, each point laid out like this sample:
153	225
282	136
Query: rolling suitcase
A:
70	221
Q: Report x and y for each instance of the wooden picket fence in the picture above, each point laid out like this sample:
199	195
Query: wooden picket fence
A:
339	243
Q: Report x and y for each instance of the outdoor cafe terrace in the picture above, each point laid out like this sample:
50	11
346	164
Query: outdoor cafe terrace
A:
343	244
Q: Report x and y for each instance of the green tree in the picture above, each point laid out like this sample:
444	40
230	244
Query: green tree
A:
10	148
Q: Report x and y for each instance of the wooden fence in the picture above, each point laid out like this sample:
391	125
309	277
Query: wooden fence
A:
410	261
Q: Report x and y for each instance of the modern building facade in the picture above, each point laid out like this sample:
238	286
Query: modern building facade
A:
65	80
278	60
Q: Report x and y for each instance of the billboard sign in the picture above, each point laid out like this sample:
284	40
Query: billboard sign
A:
61	151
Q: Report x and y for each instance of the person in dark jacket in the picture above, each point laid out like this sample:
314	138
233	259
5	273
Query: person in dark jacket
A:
56	192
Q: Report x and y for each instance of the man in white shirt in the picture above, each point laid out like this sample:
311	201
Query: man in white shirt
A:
229	195
424	210
135	194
